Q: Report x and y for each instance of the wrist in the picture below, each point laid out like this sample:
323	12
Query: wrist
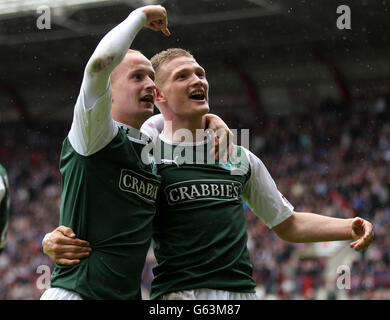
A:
351	232
139	16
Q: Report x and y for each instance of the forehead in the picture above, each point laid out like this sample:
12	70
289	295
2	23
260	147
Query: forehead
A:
179	63
137	61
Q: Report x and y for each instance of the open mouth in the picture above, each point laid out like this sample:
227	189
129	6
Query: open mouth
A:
148	98
197	95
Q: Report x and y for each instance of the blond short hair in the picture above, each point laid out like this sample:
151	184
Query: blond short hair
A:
167	55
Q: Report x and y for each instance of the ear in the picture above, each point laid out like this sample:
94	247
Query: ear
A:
160	96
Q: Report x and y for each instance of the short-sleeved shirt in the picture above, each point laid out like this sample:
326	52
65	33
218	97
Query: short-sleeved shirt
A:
200	232
108	198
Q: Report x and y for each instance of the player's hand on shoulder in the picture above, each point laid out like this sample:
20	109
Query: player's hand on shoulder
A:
223	138
62	246
156	18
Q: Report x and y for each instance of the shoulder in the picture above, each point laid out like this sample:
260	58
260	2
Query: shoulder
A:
241	162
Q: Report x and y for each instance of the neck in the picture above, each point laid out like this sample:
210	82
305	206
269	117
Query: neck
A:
132	121
173	129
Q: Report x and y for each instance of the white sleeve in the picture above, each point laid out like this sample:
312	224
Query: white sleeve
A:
153	126
92	127
262	195
2	190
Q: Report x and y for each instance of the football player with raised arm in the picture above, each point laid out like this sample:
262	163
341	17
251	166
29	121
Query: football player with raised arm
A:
108	192
200	239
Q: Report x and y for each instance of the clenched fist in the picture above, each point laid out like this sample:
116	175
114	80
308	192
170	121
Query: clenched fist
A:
156	18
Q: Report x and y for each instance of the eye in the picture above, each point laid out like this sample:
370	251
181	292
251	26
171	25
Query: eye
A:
181	76
200	74
137	76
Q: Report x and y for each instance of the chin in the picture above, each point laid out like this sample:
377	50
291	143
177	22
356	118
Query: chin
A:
145	113
148	110
204	109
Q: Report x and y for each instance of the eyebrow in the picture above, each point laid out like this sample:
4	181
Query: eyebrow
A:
149	72
197	68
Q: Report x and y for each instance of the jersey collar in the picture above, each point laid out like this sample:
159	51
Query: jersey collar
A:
133	133
164	139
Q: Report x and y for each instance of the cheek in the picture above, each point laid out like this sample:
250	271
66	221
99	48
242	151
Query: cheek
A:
133	92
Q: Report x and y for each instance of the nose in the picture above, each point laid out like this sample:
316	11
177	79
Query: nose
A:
197	81
150	85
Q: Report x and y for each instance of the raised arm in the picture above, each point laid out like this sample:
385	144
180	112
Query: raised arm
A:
113	47
92	126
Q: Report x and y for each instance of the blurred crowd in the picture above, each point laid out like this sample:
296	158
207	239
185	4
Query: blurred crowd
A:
332	161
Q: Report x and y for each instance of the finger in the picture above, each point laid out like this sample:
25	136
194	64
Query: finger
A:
222	146
152	26
166	32
71	249
231	145
155	25
215	149
73	242
66	231
158	25
225	156
365	237
234	153
366	241
359	222
368	230
212	151
72	256
357	247
67	262
362	244
353	244
360	247
217	156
